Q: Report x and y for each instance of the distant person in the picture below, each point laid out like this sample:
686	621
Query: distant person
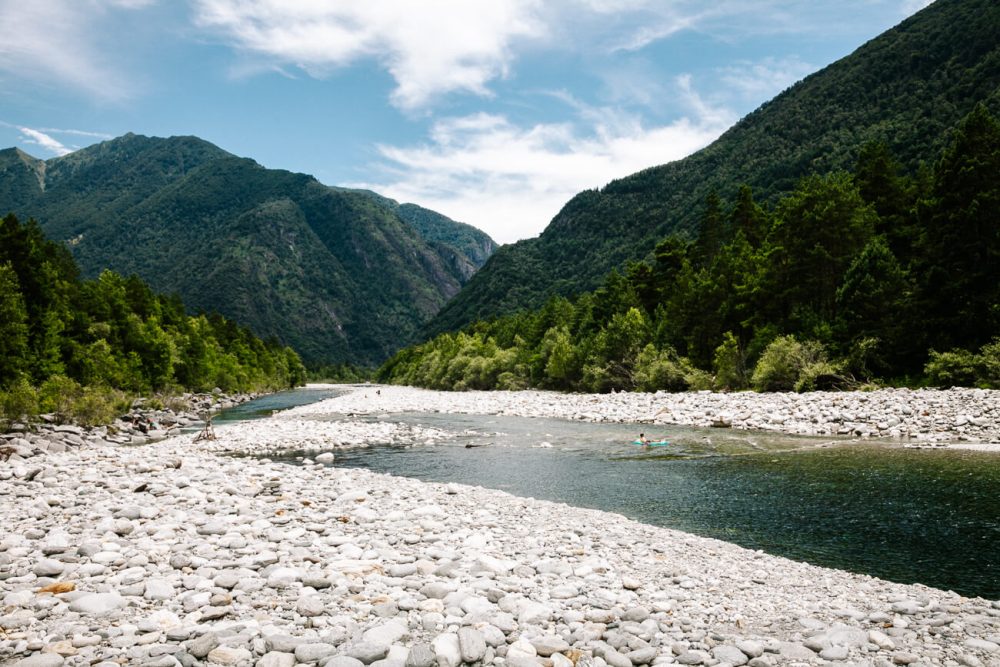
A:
643	440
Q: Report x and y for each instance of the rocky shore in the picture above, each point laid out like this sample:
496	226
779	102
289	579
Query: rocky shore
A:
921	415
140	425
178	553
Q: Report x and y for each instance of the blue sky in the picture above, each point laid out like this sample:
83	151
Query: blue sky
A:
493	112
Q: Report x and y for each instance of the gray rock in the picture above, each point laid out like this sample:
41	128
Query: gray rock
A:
904	658
343	661
730	654
693	658
213	613
227	580
282	643
906	607
213	528
402	570
546	645
158	589
97	604
436	590
751	648
367	652
447	650
847	636
48	568
314	652
385	634
838	652
472	644
203	645
793	651
40	660
385	609
310	606
642	656
636	614
276	659
229	655
981	645
421	655
616	659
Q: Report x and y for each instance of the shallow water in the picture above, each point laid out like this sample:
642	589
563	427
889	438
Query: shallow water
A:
265	406
907	515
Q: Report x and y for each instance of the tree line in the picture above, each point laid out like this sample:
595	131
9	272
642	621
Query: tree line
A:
102	340
871	276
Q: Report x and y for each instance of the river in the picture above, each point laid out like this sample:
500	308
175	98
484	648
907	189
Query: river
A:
908	515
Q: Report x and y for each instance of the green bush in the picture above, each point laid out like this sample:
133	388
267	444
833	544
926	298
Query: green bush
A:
729	363
98	406
989	364
962	368
18	403
660	369
58	395
956	368
788	364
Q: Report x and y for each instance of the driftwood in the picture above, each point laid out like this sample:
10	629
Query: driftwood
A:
207	433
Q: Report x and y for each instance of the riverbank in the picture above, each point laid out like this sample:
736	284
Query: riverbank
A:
917	415
172	553
143	423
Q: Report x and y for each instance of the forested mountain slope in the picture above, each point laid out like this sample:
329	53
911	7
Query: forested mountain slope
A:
906	88
340	275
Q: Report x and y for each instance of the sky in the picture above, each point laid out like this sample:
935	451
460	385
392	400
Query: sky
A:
492	112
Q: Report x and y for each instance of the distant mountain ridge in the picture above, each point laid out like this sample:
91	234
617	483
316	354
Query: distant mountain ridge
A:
340	275
908	87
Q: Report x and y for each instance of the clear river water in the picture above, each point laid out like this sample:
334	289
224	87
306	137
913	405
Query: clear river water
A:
908	515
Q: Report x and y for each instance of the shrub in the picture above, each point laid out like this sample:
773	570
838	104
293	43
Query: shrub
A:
18	403
956	368
989	364
660	369
98	406
57	395
511	381
729	363
788	364
962	368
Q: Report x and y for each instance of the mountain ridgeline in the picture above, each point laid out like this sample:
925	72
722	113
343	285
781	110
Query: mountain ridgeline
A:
851	278
906	88
340	275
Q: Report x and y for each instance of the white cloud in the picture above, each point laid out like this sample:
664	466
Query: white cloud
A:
764	79
436	47
78	133
914	6
511	180
42	137
54	42
47	142
429	48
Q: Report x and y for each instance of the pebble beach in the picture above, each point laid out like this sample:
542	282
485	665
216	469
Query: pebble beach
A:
191	553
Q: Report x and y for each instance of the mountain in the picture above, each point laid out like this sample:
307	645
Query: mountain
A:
908	88
340	275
